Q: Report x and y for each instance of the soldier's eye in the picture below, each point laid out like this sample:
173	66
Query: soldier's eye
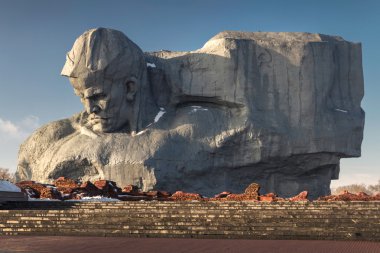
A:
99	96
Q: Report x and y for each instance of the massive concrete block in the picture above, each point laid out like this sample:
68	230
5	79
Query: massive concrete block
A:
279	109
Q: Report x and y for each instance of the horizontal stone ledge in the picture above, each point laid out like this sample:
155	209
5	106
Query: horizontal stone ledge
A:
194	214
257	237
143	213
184	207
126	219
337	226
196	203
190	207
124	210
168	233
211	228
195	211
201	228
129	216
163	218
191	230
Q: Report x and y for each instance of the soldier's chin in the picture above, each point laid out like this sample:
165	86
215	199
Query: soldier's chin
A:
102	128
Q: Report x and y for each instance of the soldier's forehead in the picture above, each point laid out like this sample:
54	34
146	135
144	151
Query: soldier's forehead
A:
85	83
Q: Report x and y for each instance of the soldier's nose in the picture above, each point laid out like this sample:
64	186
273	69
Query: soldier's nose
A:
95	109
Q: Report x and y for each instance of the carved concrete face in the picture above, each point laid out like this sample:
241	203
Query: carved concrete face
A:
105	69
109	104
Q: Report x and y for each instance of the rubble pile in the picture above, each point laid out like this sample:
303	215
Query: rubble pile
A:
38	191
65	186
347	196
270	197
107	188
302	196
68	189
184	196
88	189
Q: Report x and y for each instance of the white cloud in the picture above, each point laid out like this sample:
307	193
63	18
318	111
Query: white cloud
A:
12	134
8	128
19	130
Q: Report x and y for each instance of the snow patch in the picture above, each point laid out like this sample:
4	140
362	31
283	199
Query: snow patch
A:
18	130
141	132
8	187
42	200
197	108
150	65
341	110
95	199
159	114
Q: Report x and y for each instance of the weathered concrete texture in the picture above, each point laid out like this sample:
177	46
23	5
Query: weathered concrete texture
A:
279	109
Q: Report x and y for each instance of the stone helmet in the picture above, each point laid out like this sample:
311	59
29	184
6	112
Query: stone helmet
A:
104	53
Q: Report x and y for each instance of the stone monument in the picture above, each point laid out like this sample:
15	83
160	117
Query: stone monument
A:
279	109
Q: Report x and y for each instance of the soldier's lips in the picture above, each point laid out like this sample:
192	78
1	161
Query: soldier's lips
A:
99	120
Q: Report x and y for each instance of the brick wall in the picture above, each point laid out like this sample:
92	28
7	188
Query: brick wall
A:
248	220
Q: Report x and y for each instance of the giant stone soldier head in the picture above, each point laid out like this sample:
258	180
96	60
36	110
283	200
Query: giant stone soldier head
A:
106	70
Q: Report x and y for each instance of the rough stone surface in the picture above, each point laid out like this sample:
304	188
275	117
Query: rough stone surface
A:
279	109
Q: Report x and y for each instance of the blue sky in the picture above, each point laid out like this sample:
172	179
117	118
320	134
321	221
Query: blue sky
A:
35	36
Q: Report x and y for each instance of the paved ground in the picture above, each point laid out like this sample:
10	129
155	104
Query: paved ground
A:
64	244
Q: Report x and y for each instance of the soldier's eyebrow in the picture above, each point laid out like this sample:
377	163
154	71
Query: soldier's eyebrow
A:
91	92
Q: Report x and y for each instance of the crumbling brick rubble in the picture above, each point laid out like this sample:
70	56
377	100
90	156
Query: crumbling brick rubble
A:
69	189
